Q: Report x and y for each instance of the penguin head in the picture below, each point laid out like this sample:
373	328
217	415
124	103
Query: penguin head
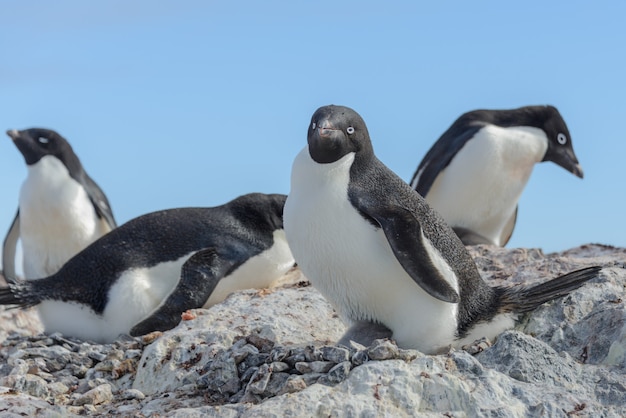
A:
560	150
36	143
336	131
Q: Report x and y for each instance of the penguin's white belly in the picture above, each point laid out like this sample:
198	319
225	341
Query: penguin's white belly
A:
481	186
135	294
257	272
351	262
57	219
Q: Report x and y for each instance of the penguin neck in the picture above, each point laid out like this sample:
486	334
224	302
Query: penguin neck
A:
308	173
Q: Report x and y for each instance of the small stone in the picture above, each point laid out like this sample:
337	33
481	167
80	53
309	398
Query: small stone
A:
295	358
293	384
314	366
382	350
247	375
335	354
58	388
279	366
241	353
279	353
87	385
360	357
259	381
133	354
276	382
33	385
96	355
95	396
262	344
312	354
339	372
107	365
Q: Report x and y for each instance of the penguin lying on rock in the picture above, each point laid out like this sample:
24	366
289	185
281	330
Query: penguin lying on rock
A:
386	260
475	173
61	209
142	275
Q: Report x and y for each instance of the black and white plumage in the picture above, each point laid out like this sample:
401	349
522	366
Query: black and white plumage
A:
61	209
382	256
475	173
142	275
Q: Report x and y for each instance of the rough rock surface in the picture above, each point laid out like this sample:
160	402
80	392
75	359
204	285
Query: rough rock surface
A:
270	353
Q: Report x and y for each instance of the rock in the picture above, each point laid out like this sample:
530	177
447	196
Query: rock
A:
272	353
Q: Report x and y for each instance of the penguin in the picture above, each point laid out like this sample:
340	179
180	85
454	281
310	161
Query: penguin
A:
389	263
141	276
475	173
61	209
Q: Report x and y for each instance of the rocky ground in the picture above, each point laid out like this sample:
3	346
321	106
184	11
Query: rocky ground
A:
270	353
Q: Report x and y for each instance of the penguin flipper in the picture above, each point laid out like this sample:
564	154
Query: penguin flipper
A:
99	201
469	237
441	154
199	276
9	249
412	249
364	333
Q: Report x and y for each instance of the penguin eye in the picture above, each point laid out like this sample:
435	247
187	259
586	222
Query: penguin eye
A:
561	139
313	125
350	130
43	140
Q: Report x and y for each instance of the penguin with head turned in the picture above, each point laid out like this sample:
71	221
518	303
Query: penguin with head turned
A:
475	173
61	209
389	263
141	276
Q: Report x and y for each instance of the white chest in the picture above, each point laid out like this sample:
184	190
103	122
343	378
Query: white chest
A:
351	262
57	219
482	185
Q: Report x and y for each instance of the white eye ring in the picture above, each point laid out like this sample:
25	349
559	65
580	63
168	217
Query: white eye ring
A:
350	130
561	139
313	125
43	140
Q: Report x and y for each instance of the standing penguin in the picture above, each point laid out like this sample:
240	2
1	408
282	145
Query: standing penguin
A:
382	256
475	173
141	276
61	209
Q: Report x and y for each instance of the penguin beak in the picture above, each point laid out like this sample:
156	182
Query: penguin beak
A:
325	129
566	159
577	171
13	134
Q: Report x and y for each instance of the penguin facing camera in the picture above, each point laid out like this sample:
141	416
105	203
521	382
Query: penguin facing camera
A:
475	173
388	262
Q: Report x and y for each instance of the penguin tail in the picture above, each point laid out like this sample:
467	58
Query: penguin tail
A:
527	298
19	294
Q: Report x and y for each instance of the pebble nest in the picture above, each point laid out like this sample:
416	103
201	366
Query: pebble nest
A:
87	378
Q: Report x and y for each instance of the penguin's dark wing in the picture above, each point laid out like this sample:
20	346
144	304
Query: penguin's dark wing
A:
415	253
440	155
199	276
507	232
9	248
99	200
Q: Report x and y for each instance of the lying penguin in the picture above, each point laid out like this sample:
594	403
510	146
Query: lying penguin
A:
142	275
61	209
387	261
475	173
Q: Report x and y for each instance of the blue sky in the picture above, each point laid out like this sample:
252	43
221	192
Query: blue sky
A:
192	103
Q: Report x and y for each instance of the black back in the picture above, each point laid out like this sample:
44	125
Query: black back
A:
467	125
244	226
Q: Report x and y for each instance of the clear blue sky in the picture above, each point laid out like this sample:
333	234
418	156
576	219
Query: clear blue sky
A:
192	103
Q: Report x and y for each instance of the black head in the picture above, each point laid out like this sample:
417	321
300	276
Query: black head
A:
560	150
336	131
36	143
546	118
